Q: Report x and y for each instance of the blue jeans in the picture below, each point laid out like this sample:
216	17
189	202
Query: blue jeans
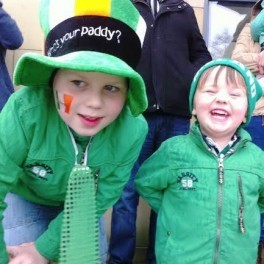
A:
256	130
124	214
25	221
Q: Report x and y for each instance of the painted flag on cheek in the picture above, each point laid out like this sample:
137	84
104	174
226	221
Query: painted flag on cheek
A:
64	102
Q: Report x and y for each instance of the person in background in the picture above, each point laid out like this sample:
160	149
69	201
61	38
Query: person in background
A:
248	52
257	33
207	187
257	23
71	135
229	49
10	39
173	51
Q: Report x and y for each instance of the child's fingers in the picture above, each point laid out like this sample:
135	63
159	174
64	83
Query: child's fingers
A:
16	260
25	254
12	251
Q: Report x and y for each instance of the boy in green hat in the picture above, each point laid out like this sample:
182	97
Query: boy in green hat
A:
70	137
208	186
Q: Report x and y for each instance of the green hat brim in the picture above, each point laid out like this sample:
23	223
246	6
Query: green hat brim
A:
35	69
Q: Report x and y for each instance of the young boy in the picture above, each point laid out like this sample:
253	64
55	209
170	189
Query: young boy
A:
69	139
208	186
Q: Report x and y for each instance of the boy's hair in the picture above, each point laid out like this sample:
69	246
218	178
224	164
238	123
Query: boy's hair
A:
254	90
232	76
91	36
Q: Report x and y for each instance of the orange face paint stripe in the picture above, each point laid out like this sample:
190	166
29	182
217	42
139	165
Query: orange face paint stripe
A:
91	7
67	99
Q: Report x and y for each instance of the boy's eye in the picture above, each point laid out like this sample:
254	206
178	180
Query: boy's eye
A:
111	88
209	91
236	93
78	83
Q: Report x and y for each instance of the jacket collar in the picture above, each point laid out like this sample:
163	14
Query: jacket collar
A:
197	134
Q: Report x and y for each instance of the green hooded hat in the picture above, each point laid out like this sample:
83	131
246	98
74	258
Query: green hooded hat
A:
254	89
86	35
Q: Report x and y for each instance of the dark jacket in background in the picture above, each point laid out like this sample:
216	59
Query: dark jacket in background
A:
10	39
173	51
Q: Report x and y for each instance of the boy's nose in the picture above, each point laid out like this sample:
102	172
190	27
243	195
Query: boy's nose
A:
222	96
93	99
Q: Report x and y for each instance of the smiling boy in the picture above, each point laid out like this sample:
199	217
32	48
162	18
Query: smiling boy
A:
220	104
208	186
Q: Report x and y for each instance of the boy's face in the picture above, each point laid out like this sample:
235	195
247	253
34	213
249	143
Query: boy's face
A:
220	108
88	101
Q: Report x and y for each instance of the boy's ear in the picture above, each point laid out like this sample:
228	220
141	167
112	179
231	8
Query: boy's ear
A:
194	112
244	120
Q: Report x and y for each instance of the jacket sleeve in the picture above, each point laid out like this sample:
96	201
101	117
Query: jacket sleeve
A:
48	244
10	35
13	148
246	50
116	180
199	54
153	177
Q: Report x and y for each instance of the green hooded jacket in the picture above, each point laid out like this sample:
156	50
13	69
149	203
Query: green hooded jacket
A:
208	207
37	156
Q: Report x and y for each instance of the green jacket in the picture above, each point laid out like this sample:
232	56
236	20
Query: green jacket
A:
37	156
208	207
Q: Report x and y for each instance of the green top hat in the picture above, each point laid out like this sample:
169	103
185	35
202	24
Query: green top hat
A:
86	35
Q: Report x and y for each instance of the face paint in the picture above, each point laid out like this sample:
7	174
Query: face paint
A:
67	102
63	103
57	99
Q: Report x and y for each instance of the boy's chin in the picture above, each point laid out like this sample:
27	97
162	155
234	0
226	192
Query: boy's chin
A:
86	132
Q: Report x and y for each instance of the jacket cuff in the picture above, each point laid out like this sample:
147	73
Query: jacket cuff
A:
47	248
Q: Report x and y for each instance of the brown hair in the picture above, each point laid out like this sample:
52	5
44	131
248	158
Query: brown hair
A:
231	75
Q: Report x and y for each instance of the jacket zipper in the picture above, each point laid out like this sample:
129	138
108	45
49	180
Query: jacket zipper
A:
241	207
220	203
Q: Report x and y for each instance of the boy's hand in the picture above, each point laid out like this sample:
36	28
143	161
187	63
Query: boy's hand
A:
25	254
